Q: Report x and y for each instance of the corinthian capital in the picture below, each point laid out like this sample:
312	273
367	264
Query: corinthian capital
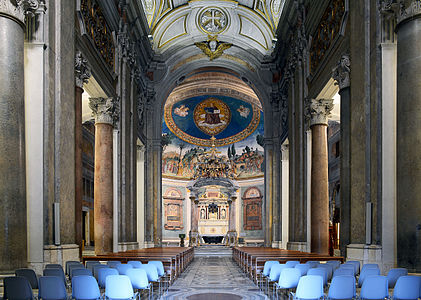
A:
342	71
18	9
82	70
317	111
105	110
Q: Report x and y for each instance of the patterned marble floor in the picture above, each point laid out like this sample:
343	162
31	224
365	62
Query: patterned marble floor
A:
213	277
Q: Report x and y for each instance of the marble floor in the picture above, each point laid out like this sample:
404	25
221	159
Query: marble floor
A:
213	277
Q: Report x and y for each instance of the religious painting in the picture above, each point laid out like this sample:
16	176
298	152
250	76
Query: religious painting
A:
252	209
212	116
173	206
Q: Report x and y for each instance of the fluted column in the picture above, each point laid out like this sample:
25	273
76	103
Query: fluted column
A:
194	234
318	111
13	237
408	136
104	113
82	74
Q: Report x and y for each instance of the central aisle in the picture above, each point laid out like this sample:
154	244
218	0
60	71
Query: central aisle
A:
213	277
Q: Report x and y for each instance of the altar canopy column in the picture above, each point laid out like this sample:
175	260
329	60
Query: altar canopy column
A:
318	111
194	234
232	232
408	136
104	112
13	237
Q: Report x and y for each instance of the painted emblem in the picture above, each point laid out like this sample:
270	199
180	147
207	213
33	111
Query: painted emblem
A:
213	20
243	111
181	111
212	116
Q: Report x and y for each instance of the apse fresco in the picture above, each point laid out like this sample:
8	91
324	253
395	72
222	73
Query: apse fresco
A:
192	126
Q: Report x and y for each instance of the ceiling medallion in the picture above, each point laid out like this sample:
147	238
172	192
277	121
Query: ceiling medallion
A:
212	116
213	20
212	47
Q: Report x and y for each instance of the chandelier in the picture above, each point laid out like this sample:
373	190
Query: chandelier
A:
210	165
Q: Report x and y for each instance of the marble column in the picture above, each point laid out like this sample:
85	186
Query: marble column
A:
318	111
408	136
268	204
104	113
232	231
285	195
194	234
82	74
13	231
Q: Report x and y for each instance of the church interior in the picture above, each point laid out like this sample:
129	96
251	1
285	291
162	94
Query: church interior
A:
208	139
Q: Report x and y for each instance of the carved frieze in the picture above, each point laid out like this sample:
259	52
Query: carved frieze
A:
318	110
95	26
18	9
105	110
327	31
341	73
82	70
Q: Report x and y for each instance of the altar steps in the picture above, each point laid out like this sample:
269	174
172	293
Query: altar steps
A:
212	251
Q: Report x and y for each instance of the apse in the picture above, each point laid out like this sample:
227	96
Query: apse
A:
212	132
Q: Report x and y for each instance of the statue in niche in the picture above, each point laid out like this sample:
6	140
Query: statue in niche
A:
202	213
223	214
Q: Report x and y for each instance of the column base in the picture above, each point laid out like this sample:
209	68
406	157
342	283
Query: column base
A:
275	244
149	244
283	245
365	254
231	238
194	239
298	246
56	255
125	246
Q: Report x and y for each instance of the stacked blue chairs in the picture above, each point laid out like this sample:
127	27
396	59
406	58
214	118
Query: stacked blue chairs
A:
329	269
334	263
113	263
96	269
309	287
103	273
407	287
118	287
313	263
161	272
17	288
53	266
85	288
135	263
366	273
342	287
79	272
153	276
265	273
303	268
355	264
288	279
394	274
343	271
51	288
322	272
122	268
90	265
57	273
30	275
69	263
139	280
291	263
374	287
275	272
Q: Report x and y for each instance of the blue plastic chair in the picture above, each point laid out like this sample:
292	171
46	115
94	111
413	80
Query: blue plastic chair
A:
319	272
342	287
274	274
343	272
96	269
288	279
291	263
135	263
79	272
54	266
303	268
313	263
329	269
51	288
266	271
370	266
139	280
30	275
17	287
55	272
74	267
69	263
366	273
118	287
355	264
153	276
90	265
350	267
374	287
113	263
394	274
407	287
85	288
334	263
103	273
122	268
309	287
159	265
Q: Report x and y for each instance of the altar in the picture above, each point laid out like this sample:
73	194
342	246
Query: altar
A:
217	239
